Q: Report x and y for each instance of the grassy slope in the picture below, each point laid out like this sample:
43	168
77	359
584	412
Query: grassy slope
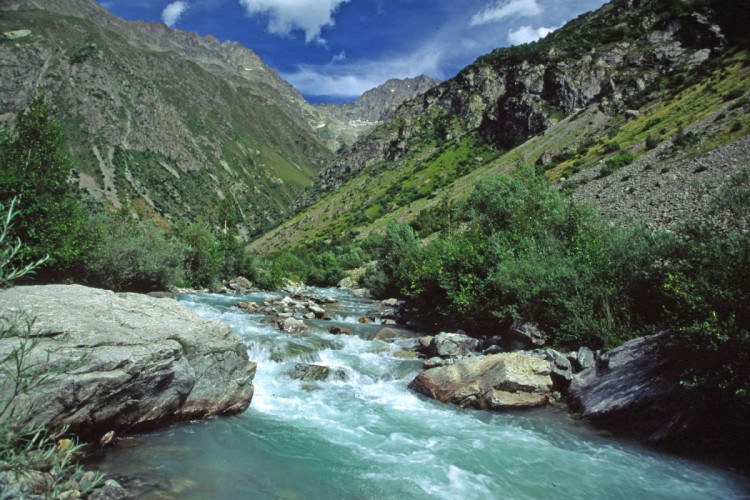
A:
433	175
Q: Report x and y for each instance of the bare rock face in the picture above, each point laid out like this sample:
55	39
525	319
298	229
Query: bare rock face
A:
144	362
635	390
494	382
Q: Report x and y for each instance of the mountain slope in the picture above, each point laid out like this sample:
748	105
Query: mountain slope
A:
167	121
628	81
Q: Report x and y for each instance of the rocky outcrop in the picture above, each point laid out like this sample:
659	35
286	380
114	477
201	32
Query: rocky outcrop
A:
134	362
635	389
494	382
513	94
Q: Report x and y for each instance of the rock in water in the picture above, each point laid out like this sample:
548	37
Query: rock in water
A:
635	389
451	345
495	382
145	362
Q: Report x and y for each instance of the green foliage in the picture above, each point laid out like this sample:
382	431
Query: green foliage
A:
612	165
35	172
134	256
203	256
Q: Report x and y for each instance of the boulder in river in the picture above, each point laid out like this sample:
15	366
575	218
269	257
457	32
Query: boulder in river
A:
291	325
635	390
494	382
144	362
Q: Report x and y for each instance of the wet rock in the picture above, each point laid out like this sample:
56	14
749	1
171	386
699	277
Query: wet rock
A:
338	330
162	295
364	320
435	362
390	303
250	307
309	373
385	334
112	490
496	382
291	325
319	312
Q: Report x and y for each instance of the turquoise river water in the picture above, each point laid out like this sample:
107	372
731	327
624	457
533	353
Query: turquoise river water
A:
368	436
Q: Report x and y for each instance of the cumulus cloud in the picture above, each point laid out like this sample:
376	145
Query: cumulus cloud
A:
173	12
284	16
526	34
502	10
341	56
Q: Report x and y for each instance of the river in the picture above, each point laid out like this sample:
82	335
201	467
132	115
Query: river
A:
363	434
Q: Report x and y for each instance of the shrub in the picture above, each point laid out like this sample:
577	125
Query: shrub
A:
612	165
134	256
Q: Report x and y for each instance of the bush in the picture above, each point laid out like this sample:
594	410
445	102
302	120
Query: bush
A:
203	255
612	165
134	256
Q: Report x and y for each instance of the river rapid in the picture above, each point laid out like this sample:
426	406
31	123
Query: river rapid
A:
365	435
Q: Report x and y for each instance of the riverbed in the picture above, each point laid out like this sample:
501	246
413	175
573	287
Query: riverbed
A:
362	434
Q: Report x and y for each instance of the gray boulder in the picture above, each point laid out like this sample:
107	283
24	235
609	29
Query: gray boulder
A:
585	358
309	373
145	362
451	345
635	390
495	382
526	335
292	325
561	369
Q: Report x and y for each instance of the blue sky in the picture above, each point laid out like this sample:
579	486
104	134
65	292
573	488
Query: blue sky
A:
334	50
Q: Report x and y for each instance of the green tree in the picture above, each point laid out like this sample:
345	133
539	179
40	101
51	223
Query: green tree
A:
35	172
203	258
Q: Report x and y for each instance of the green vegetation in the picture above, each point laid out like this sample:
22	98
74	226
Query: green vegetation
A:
524	251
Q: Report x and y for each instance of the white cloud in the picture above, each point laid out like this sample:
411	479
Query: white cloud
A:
341	56
501	10
173	12
526	34
310	16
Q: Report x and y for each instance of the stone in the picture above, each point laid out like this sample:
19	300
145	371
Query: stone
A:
636	390
112	490
527	334
435	362
386	334
338	330
240	284
364	320
495	382
585	358
390	303
453	345
319	312
310	315
250	307
309	373
292	325
144	362
161	295
562	371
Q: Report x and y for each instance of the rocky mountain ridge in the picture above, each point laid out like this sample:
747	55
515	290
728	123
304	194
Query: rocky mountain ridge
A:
633	79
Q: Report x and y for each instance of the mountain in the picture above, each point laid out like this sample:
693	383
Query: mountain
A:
355	119
169	122
644	88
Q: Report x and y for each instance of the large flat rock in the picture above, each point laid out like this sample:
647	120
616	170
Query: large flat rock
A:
138	362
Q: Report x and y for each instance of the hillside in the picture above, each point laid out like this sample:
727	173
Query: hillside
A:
645	86
166	121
